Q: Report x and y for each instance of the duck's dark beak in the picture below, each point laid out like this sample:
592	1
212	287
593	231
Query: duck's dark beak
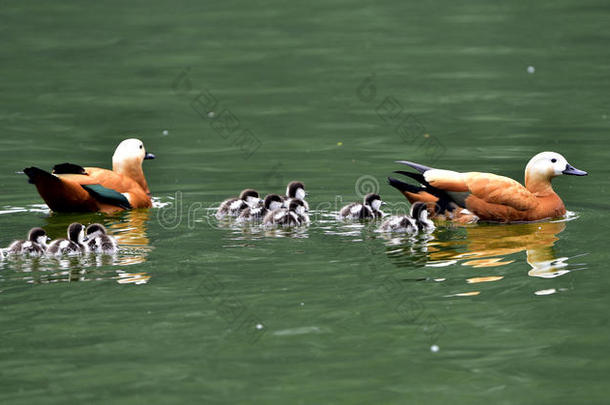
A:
149	156
85	239
572	171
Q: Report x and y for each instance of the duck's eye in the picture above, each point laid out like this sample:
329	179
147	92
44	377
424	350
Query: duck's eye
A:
554	160
141	146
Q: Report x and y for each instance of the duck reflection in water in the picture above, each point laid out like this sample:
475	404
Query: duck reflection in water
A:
487	245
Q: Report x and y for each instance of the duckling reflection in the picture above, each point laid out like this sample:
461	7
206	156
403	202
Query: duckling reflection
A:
487	246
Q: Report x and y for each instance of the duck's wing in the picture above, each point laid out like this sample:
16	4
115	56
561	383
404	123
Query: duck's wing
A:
116	183
107	195
491	188
95	175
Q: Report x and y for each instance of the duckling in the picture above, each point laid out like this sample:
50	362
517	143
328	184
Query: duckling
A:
294	215
74	245
272	202
35	245
232	207
419	211
100	241
295	190
369	208
415	222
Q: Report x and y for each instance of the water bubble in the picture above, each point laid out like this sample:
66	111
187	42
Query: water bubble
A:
259	326
434	348
531	70
211	114
165	132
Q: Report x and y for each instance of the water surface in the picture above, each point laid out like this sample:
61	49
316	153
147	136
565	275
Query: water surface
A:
236	94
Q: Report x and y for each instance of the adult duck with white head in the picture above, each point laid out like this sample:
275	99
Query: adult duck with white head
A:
473	196
73	188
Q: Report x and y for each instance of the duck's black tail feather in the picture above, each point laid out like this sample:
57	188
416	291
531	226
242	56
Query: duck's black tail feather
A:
35	175
424	193
404	187
68	168
415	176
416	166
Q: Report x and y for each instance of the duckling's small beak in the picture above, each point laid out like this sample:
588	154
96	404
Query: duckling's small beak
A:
149	156
85	239
384	203
572	171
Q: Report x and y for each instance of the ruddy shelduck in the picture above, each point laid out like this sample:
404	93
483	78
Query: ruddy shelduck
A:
72	188
473	196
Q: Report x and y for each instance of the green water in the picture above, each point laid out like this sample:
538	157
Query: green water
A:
196	311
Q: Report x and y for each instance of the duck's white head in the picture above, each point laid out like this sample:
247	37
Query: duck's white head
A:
76	233
547	165
373	201
250	197
128	158
296	189
297	206
94	230
273	202
38	235
130	150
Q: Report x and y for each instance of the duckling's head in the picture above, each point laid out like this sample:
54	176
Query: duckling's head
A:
95	229
38	235
130	151
297	206
250	196
273	202
76	233
546	165
419	212
296	189
373	200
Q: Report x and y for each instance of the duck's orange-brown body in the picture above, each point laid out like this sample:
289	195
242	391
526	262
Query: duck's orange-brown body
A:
72	188
68	195
497	198
473	196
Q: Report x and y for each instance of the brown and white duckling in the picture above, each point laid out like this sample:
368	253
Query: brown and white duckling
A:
232	207
416	222
74	245
369	208
294	215
271	202
99	240
295	190
35	245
